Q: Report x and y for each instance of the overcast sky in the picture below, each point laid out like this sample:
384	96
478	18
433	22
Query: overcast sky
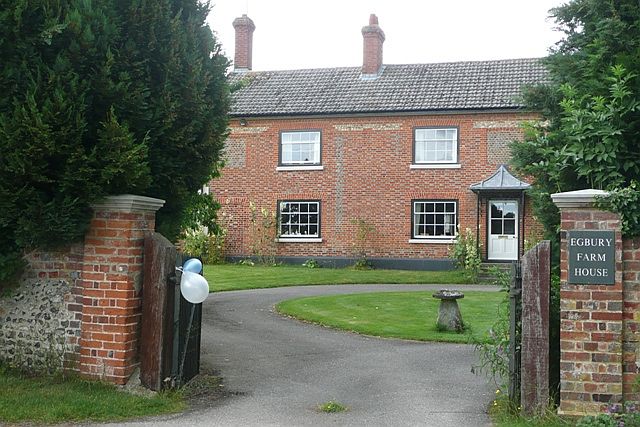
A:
293	34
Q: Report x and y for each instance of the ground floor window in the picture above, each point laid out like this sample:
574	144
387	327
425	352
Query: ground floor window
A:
299	218
434	219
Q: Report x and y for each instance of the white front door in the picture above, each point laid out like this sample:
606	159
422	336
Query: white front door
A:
503	230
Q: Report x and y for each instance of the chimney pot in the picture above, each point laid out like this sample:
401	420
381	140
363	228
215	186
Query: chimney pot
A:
244	27
373	38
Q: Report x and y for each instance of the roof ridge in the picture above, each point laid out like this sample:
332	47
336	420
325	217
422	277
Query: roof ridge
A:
482	61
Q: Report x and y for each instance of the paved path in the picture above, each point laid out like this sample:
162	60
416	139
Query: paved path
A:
280	369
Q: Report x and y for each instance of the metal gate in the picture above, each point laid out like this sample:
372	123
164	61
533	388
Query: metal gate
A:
186	333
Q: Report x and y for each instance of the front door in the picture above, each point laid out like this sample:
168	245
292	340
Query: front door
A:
503	230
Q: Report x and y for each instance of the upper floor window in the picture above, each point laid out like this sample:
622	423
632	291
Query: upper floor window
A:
300	148
435	145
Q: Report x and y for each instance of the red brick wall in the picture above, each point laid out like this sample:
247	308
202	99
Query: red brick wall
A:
590	327
600	353
631	319
366	175
112	300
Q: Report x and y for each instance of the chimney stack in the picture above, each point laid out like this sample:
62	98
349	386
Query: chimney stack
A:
244	27
372	48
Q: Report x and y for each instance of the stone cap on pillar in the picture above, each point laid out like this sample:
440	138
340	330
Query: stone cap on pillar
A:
129	203
578	198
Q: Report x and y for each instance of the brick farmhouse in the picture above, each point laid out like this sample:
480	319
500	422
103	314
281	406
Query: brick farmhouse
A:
416	151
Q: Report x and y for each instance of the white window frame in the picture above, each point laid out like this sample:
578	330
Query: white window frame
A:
292	140
295	220
420	219
448	143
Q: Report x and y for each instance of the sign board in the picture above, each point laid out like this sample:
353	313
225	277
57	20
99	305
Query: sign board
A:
592	259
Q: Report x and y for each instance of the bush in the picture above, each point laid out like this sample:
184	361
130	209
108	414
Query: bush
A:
361	244
311	263
264	234
493	353
209	247
466	252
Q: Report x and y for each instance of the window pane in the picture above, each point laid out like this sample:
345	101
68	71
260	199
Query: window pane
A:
450	230
431	230
509	226
496	210
496	226
430	156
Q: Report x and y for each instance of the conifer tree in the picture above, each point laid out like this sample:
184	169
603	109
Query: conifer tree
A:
98	98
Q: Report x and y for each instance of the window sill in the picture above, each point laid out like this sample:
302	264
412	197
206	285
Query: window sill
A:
300	240
442	241
436	166
300	168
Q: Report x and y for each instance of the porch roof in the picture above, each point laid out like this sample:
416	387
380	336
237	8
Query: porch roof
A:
500	181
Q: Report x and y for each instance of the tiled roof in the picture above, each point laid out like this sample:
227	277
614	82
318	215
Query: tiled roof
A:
400	88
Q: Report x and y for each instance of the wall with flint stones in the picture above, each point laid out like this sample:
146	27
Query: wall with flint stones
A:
80	308
40	319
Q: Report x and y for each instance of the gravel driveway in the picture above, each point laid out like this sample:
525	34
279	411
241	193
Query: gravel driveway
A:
277	370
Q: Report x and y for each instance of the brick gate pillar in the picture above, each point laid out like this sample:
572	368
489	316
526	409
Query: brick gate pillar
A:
111	286
591	331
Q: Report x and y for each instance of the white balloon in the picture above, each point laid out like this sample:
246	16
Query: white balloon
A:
193	265
194	287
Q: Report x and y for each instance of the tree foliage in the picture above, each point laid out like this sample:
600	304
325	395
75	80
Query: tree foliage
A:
104	97
590	106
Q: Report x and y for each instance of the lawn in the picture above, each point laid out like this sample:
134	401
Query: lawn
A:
54	400
229	277
407	315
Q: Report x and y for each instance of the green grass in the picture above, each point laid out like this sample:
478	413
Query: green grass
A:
228	277
332	407
406	315
503	414
54	400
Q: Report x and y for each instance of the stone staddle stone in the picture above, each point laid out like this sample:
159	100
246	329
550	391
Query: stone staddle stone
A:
449	317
